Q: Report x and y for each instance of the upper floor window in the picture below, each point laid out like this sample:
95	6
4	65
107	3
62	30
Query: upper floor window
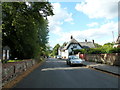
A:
74	46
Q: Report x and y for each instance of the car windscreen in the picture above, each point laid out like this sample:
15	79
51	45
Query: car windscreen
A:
74	57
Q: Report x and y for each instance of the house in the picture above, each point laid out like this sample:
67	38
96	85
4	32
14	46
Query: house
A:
73	44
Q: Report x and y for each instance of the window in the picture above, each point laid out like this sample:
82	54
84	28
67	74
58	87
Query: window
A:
74	46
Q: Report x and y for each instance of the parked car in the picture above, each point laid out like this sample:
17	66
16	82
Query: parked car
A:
73	60
58	57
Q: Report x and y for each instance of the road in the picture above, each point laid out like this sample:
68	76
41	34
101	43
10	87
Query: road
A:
56	74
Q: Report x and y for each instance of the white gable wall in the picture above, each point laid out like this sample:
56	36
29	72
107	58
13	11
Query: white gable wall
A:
59	52
65	53
72	46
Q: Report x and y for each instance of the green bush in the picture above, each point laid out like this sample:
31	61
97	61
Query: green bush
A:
100	50
114	50
96	51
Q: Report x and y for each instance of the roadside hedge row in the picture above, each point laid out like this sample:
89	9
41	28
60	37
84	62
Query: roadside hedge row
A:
97	50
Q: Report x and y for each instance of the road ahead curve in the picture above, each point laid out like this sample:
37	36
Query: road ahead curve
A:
56	74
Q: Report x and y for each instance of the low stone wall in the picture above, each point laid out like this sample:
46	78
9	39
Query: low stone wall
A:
11	70
111	59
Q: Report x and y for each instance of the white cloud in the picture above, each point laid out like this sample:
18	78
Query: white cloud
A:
57	29
92	24
69	18
99	8
61	16
101	35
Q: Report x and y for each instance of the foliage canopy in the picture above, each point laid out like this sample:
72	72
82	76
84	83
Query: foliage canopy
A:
25	28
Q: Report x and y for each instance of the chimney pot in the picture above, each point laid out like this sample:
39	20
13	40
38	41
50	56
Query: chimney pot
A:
71	37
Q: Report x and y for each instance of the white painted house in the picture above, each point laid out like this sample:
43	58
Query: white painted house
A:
74	45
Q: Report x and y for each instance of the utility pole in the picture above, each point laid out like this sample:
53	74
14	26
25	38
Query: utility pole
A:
118	34
113	37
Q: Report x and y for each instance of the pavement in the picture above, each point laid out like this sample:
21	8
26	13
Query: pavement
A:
103	67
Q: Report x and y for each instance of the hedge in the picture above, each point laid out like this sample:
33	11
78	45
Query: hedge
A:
97	50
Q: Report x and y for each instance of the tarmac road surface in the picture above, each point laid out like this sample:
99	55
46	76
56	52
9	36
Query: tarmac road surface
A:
54	73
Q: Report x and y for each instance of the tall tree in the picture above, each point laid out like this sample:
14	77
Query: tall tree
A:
55	49
25	29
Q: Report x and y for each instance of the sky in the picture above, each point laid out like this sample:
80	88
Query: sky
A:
88	19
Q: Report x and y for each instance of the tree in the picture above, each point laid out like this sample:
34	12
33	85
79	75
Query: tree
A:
107	47
48	50
109	44
55	49
97	45
25	29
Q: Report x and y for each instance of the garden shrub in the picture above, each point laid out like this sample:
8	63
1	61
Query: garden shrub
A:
100	50
114	50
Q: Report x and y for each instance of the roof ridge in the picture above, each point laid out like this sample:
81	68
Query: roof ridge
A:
74	40
86	42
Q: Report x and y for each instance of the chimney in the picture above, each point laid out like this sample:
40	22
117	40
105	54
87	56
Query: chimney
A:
71	37
93	41
85	40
